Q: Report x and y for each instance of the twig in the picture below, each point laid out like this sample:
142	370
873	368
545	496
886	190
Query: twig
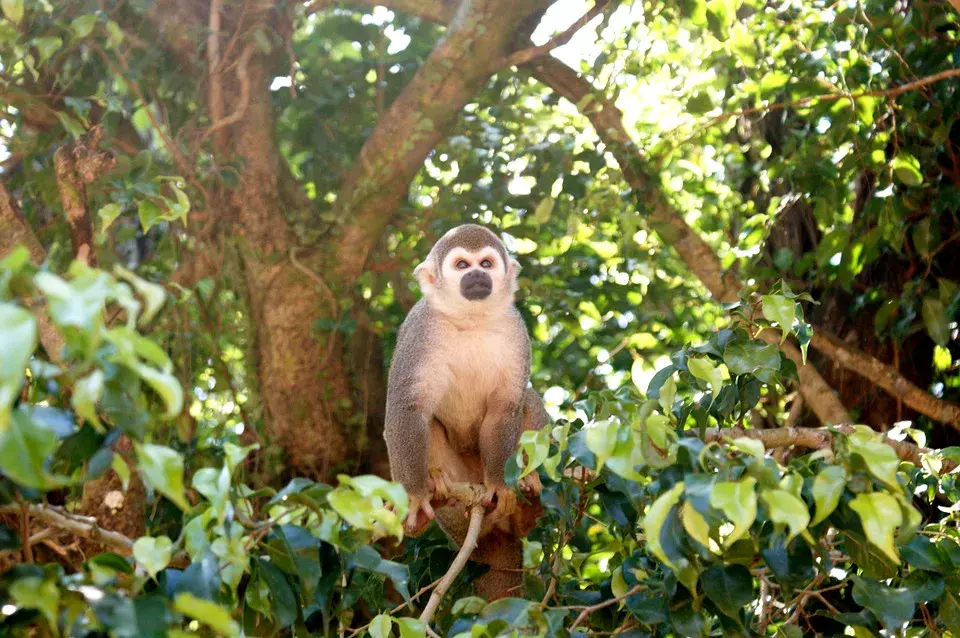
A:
79	526
589	609
832	97
242	103
400	607
525	56
469	544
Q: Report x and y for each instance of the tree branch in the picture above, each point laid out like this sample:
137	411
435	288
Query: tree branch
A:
669	223
17	232
83	526
75	166
526	56
814	439
887	377
440	11
466	549
833	97
479	34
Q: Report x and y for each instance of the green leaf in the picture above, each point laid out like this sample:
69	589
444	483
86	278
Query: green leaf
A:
536	445
86	393
206	613
923	233
773	81
703	369
153	294
83	26
283	600
786	509
108	214
880	515
656	515
24	450
541	215
906	168
122	469
893	606
753	447
738	501
950	608
879	457
47	46
411	627
695	524
13	10
148	212
782	311
936	320
164	384
730	587
18	340
668	392
748	357
828	486
153	553
601	439
380	626
469	605
33	592
162	469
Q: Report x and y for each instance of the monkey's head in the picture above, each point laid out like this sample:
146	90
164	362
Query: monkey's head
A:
468	271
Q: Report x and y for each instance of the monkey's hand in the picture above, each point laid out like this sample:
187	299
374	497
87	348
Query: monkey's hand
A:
419	515
506	502
531	485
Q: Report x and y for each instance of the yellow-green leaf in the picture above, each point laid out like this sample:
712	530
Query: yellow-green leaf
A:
695	524
656	515
786	509
828	486
13	10
18	340
703	369
380	626
153	553
880	515
207	613
162	469
738	502
879	457
780	310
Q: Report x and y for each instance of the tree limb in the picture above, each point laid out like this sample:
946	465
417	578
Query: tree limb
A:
76	165
814	439
83	526
440	11
669	223
887	377
525	56
469	544
479	34
17	232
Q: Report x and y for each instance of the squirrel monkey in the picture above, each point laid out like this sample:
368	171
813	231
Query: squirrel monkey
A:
457	396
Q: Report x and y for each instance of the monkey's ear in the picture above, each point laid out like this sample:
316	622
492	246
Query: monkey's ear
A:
426	274
513	269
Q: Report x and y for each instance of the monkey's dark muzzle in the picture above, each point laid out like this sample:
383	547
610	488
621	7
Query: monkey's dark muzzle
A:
476	285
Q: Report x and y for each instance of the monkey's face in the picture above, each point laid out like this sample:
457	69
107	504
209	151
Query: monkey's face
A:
469	281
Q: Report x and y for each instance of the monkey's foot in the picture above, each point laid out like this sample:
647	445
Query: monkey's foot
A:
506	502
419	515
531	485
441	489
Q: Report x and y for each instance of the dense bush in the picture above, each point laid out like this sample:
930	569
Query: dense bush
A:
657	522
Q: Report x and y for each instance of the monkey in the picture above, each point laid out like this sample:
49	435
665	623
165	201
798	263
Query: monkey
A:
457	395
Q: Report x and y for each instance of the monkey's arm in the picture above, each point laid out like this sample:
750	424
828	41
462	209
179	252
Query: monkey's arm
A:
499	434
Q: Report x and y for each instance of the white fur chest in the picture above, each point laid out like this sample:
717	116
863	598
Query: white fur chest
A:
473	365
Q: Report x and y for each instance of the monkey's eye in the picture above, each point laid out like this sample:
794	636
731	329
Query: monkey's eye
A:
462	264
486	263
